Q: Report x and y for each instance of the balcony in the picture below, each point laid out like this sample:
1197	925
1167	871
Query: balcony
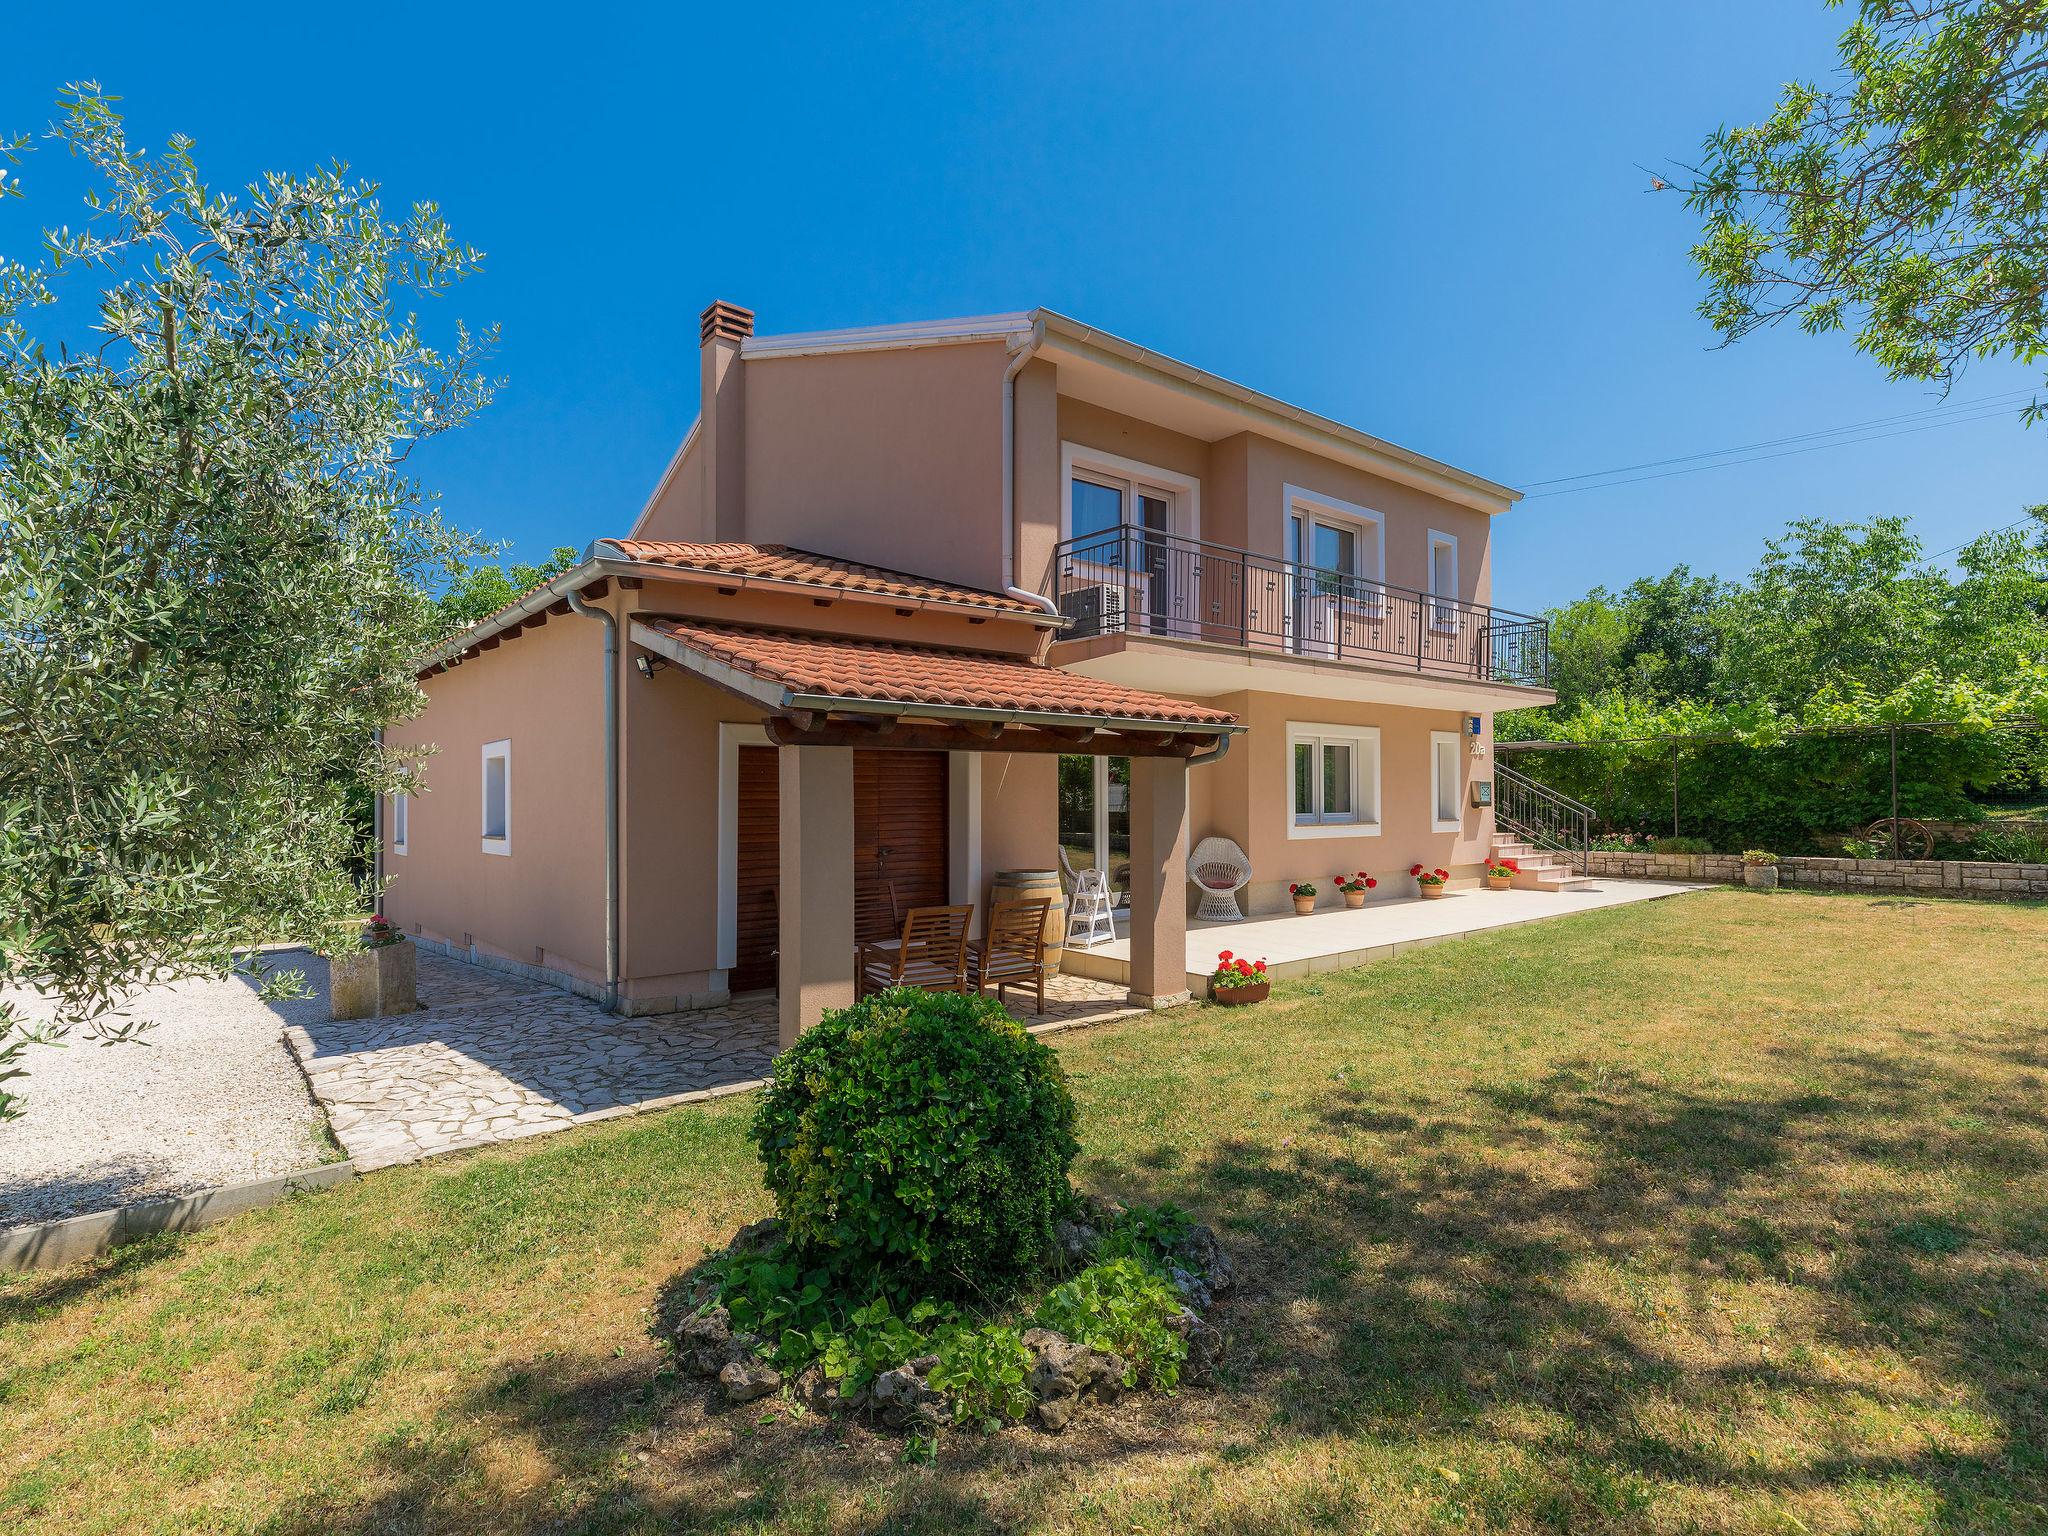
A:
1130	580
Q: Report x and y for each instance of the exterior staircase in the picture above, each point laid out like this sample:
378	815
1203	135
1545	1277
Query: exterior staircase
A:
1547	834
1537	870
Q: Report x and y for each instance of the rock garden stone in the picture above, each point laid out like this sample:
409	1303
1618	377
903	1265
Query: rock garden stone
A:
1076	1241
1204	1342
1063	1371
1200	1250
758	1237
1193	1289
902	1400
747	1378
706	1344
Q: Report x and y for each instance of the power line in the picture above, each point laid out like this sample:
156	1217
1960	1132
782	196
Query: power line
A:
1760	458
1945	408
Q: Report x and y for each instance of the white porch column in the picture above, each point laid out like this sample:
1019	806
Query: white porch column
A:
1159	877
815	902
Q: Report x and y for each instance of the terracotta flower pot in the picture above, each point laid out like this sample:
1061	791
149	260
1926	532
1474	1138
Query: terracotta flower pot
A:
1432	892
1354	899
1237	997
1500	882
1303	905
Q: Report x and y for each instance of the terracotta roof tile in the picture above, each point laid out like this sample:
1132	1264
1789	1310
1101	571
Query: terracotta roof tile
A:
779	562
886	671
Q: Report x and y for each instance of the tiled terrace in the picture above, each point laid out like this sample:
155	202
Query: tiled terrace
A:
491	1057
1336	938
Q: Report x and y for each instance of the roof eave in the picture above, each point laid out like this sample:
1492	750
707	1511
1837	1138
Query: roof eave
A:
1066	333
711	576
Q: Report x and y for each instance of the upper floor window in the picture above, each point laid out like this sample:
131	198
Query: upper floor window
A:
1104	491
1443	579
401	822
497	797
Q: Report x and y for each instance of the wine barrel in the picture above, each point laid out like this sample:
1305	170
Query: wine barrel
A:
1031	885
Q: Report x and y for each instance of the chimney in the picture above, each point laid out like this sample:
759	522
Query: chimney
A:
722	438
726	320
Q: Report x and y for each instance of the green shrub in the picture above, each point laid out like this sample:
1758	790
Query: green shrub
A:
1121	1307
1684	845
919	1135
2014	847
983	1370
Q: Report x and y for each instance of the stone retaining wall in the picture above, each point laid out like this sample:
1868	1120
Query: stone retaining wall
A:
1955	877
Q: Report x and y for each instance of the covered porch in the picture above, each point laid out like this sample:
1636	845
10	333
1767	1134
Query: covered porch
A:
826	698
1338	938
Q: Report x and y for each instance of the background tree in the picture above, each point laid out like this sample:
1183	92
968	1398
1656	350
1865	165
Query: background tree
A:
1909	199
1839	624
214	568
480	589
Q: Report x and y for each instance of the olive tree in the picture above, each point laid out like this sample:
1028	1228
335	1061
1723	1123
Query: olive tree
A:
214	564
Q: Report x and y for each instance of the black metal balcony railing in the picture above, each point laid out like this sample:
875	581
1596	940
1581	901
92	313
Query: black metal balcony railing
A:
1137	581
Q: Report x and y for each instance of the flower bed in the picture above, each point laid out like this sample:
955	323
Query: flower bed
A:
1122	1312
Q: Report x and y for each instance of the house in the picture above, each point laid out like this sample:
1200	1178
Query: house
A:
912	605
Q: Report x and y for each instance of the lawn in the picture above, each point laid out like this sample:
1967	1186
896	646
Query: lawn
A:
1727	1212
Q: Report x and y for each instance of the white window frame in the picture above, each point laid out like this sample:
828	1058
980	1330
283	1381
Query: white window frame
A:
1184	492
1368	531
1363	740
500	751
1438	742
401	822
1442	617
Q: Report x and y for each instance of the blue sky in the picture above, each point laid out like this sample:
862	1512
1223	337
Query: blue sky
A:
1424	221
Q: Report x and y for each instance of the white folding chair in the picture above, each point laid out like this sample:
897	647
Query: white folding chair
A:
1091	917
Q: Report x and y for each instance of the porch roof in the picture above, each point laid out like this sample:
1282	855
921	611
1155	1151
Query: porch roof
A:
789	671
803	567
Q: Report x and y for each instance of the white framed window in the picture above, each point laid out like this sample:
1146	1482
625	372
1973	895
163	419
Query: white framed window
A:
1443	579
1446	782
497	797
401	822
1334	777
1336	567
1099	491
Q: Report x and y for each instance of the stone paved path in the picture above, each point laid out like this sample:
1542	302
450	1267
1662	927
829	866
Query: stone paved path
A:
491	1058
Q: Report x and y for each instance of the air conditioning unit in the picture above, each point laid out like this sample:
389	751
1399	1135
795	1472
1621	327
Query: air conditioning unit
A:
1095	610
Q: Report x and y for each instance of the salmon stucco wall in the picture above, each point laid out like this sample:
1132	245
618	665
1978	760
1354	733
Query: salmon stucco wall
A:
1411	515
543	902
668	861
893	458
1250	799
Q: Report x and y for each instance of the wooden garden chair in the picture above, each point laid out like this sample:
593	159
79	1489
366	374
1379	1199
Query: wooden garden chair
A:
932	953
1012	952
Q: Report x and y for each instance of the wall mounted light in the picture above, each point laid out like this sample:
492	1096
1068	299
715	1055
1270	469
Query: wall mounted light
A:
648	664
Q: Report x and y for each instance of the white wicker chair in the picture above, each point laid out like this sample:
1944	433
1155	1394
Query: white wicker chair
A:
1220	870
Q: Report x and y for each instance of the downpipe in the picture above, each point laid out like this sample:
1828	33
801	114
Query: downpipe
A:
611	794
1020	354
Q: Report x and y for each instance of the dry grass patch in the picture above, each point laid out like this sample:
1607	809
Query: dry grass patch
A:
1721	1213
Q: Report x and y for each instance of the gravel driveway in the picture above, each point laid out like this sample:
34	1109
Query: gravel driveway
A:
210	1096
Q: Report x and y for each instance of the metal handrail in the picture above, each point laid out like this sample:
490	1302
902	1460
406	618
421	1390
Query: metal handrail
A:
1542	817
1135	580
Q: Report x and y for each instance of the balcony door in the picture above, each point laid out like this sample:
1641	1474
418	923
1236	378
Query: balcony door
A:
1333	564
1095	818
1130	528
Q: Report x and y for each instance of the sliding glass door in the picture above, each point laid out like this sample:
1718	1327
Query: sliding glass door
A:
1095	818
